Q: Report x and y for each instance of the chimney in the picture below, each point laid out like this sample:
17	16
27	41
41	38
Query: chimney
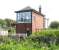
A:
40	9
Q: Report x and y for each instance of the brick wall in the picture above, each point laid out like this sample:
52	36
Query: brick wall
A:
37	22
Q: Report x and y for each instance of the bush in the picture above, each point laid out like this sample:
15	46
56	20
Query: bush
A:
28	44
54	24
44	40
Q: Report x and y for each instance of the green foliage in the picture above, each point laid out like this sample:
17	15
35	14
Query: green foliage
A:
48	32
26	44
37	41
7	23
12	31
2	23
54	24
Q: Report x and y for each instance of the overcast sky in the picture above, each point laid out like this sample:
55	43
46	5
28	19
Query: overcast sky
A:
50	8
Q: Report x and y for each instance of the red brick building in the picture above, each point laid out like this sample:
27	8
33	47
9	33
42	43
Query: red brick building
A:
29	20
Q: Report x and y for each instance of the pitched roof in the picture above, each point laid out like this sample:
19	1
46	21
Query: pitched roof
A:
30	9
27	8
24	9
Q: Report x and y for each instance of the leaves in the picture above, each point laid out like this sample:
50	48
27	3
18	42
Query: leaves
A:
7	23
54	24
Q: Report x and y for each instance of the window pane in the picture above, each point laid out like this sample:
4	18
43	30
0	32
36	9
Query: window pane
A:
24	17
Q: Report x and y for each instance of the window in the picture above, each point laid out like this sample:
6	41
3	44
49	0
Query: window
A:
24	17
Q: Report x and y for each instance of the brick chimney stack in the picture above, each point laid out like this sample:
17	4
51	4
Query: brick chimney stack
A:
40	9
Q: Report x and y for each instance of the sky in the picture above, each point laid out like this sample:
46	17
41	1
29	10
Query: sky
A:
50	8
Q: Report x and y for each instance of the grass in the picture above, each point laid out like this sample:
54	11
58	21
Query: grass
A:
47	32
37	41
27	44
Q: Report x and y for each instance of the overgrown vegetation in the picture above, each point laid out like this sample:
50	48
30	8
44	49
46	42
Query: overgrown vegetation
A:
44	40
8	24
54	24
48	32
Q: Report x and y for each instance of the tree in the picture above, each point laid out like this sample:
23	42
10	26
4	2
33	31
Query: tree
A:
5	23
9	22
54	24
2	23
